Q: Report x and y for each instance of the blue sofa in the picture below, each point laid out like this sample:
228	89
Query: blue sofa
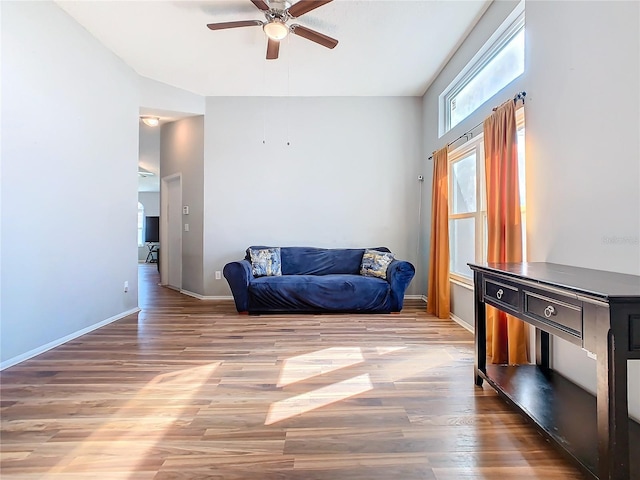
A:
318	280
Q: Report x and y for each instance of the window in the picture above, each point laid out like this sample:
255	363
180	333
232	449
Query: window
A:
140	224
496	65
467	210
467	203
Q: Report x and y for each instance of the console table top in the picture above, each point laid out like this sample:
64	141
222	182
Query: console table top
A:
586	281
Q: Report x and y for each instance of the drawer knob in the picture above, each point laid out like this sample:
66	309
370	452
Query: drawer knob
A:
549	311
499	294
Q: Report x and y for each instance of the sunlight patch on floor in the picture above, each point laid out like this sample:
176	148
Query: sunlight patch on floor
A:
386	350
320	397
303	367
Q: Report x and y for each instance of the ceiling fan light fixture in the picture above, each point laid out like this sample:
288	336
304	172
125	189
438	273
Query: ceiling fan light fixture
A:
275	30
151	121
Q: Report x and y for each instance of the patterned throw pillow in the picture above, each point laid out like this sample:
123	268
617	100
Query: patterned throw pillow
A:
265	262
375	263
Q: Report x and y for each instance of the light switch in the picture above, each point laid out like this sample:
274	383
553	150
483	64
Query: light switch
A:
186	227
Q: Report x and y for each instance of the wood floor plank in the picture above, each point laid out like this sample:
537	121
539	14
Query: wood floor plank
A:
190	389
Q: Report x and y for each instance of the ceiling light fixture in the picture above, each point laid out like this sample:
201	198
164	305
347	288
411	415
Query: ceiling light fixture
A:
151	121
275	30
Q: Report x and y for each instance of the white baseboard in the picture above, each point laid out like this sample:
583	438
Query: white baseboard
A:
416	297
206	297
461	322
56	343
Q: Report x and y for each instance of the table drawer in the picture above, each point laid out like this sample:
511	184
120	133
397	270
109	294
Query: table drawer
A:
502	293
554	312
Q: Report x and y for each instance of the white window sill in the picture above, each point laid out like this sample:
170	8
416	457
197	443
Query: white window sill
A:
468	284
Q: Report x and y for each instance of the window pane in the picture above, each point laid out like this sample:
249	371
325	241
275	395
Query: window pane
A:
463	185
521	168
462	245
523	190
504	67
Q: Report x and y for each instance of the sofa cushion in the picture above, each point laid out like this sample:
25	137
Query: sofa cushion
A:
319	261
345	293
265	262
375	263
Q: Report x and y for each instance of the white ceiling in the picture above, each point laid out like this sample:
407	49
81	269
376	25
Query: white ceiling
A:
387	48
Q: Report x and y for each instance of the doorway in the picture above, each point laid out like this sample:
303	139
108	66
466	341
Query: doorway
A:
171	231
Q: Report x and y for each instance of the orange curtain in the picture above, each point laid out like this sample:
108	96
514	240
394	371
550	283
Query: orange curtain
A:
438	288
506	335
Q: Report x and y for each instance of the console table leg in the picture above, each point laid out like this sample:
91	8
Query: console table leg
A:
542	349
612	408
480	329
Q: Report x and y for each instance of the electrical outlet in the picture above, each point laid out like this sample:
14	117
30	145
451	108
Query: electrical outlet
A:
126	286
218	275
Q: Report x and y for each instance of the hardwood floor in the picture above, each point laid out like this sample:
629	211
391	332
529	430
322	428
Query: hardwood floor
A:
189	389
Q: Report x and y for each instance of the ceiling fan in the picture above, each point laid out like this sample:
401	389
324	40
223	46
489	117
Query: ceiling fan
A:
278	13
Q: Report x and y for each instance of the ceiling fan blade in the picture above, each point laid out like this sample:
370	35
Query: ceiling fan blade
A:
314	36
273	48
304	6
243	23
260	4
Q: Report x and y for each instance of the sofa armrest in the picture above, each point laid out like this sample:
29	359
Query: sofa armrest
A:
239	275
399	275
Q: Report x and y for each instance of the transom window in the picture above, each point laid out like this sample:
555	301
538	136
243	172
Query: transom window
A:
496	65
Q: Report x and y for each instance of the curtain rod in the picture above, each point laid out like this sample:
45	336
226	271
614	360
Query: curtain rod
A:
467	135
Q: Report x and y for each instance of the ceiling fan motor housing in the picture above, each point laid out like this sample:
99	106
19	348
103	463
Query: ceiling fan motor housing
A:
279	5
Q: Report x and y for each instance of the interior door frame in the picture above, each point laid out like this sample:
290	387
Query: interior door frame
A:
164	226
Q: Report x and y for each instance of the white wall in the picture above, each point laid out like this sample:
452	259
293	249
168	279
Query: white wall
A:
348	179
583	123
583	136
583	148
182	151
69	160
151	202
160	96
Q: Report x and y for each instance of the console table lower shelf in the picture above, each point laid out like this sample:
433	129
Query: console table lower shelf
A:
562	411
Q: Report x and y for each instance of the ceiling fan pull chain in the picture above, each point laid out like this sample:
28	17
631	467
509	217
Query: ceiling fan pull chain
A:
288	92
264	103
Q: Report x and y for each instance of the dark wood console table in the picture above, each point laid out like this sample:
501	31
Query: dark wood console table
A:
596	310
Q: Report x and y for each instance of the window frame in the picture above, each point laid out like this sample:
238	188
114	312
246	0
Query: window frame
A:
475	144
508	30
